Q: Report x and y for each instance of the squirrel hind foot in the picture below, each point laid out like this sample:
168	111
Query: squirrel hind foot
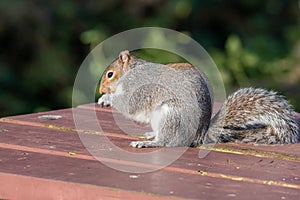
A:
140	144
150	135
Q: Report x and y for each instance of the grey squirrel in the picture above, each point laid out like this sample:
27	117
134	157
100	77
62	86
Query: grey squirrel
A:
176	100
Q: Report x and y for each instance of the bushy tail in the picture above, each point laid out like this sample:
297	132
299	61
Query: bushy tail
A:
254	116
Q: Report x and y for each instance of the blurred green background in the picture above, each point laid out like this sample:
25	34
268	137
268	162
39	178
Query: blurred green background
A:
43	43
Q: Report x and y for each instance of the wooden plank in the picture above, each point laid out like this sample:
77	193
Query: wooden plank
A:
162	182
52	150
26	187
106	120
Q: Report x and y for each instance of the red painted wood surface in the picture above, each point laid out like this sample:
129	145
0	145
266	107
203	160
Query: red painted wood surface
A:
46	159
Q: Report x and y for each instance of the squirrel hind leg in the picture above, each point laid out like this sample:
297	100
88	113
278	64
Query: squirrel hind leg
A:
159	117
170	128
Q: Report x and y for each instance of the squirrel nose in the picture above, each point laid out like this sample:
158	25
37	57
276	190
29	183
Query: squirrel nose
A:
102	90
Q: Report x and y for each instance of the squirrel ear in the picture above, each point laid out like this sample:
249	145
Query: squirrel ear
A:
124	58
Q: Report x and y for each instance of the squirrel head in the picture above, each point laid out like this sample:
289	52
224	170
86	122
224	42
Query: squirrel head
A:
114	71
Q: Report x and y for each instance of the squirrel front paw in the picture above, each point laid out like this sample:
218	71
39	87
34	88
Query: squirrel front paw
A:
105	100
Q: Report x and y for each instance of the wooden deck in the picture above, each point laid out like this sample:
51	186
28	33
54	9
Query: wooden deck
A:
45	159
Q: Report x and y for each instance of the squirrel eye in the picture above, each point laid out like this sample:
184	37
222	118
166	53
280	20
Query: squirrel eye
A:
110	74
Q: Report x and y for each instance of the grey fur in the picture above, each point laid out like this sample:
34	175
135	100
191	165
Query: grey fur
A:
254	116
177	102
151	91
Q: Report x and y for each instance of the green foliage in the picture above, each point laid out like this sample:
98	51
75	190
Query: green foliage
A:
43	43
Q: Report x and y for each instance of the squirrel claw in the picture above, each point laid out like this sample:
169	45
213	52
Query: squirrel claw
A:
136	144
104	105
104	101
